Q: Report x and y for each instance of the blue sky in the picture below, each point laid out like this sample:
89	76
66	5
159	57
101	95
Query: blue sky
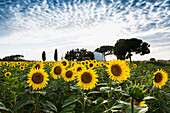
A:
29	27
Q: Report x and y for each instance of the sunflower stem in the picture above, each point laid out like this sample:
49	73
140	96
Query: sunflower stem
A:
36	101
83	101
132	108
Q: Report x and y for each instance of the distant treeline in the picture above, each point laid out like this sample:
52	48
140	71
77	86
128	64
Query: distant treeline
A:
13	58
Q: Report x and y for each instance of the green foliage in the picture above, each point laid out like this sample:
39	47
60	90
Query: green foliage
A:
86	54
43	56
124	47
74	54
13	58
55	55
106	50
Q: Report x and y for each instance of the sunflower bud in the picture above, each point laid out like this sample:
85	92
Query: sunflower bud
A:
137	92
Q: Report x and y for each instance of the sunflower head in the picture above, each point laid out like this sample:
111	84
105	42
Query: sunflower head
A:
160	78
78	68
37	78
18	63
7	74
38	65
5	70
83	63
69	75
86	62
118	70
91	65
136	92
134	65
87	79
64	63
22	67
57	71
141	103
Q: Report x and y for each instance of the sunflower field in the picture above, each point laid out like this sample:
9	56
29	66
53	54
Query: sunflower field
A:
90	86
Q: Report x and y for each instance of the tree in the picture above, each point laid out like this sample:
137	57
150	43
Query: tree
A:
86	54
106	50
124	48
13	58
43	56
55	55
74	54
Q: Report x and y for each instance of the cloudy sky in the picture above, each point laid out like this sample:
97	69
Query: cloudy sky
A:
28	27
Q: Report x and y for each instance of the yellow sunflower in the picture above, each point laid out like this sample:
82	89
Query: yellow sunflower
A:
94	61
13	65
91	65
7	74
87	79
22	67
79	68
160	78
5	70
83	63
57	70
118	70
25	64
134	65
19	63
37	78
38	65
86	62
64	63
142	103
69	75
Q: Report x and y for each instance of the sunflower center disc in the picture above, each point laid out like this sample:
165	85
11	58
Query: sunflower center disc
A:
116	70
158	77
69	74
7	74
91	65
86	77
57	70
37	66
64	63
37	78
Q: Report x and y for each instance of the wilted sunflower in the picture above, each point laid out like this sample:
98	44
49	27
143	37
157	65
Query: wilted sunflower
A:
64	63
118	70
69	75
22	67
7	74
142	103
87	79
160	78
57	71
37	78
134	65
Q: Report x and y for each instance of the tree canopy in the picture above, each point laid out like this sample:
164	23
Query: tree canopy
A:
86	54
74	54
106	50
124	47
13	58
